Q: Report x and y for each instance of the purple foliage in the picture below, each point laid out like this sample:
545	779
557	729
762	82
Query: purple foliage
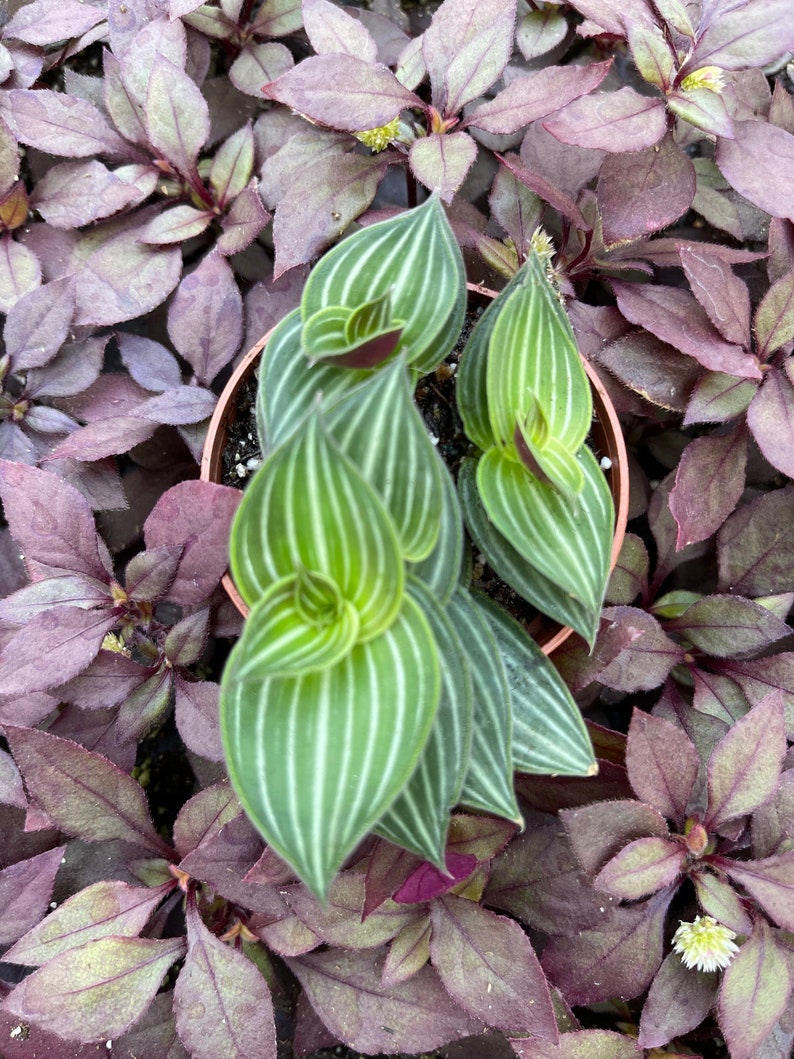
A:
168	170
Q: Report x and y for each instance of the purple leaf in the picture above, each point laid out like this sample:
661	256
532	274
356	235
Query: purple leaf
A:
38	323
146	706
717	398
724	297
243	222
755	557
70	590
719	900
203	815
82	793
51	522
64	125
257	64
641	868
662	763
176	116
74	194
101	910
150	573
342	92
651	368
320	204
110	678
599	831
74	368
611	121
617	959
548	191
770	417
648	655
196	711
149	363
205	318
774	318
753	35
221	999
538	880
709	482
770	822
175	225
441	161
766	186
674	316
569	168
770	882
155	39
154	1034
96	731
104	437
677	1002
49	21
200	514
755	990
528	98
123	108
25	891
416	1015
487	965
183	404
97	991
333	31
539	32
408	953
427	881
728	626
223	859
20	271
11	790
187	639
644	191
579	1044
118	277
744	767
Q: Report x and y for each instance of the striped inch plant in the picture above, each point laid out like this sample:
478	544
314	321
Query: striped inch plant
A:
372	689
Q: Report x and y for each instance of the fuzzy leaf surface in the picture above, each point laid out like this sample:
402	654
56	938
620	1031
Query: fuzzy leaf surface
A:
641	868
678	1001
25	891
708	484
610	121
766	187
770	417
771	882
728	626
662	763
205	318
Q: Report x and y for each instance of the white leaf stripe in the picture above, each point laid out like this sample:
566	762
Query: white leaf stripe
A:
549	735
309	507
399	254
514	568
419	818
488	783
570	547
370	716
378	427
440	571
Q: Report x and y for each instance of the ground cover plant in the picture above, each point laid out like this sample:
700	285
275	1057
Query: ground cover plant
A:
169	171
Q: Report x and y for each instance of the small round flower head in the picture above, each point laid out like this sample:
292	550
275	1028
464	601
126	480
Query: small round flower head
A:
705	944
379	139
712	78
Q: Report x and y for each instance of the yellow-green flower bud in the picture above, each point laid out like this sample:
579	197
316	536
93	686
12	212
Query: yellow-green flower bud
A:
712	78
379	139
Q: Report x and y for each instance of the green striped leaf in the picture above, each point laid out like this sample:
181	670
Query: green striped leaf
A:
513	567
317	759
440	571
289	386
281	637
546	456
568	543
309	508
356	338
549	735
533	361
488	783
419	818
378	426
470	381
398	256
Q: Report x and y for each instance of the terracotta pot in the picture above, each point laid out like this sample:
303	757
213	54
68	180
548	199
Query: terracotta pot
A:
606	439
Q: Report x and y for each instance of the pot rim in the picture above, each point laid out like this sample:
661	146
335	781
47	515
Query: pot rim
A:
548	634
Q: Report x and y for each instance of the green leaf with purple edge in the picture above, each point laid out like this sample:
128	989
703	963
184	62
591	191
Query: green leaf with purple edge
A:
610	121
442	161
770	881
25	891
579	1044
82	792
662	763
20	271
599	831
540	31
755	990
408	953
176	116
719	900
95	992
619	958
773	322
728	626
677	1002
744	767
343	989
147	705
221	999
487	964
641	868
702	108
102	909
717	397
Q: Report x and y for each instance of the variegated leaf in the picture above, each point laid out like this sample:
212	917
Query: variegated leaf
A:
488	783
309	508
398	255
419	819
549	735
314	798
440	570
